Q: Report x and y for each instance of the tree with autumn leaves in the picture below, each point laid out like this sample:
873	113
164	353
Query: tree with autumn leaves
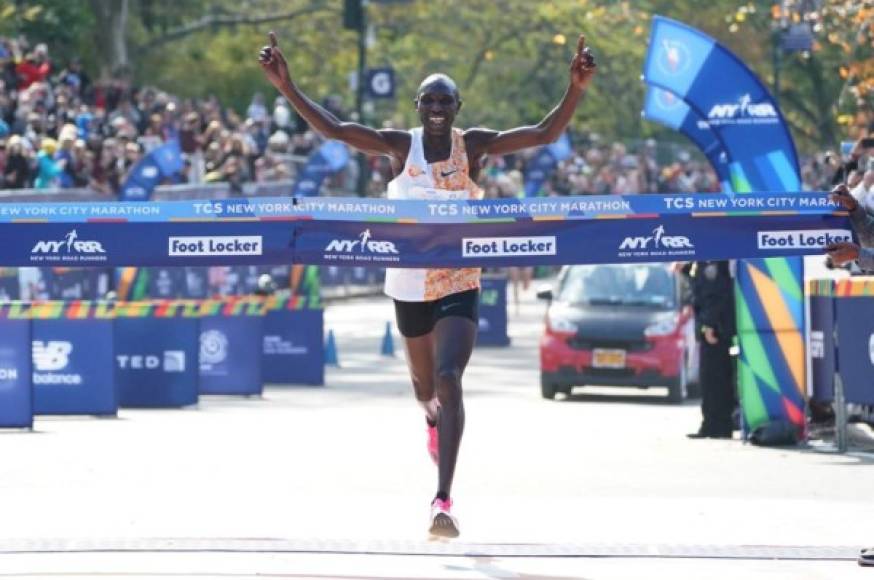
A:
507	55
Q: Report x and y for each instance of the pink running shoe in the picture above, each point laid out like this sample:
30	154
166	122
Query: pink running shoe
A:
443	523
433	444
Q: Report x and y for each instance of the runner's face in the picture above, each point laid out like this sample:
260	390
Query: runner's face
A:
437	105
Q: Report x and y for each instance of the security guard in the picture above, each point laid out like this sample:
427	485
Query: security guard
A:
713	301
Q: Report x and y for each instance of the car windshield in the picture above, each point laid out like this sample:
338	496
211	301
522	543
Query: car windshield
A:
650	285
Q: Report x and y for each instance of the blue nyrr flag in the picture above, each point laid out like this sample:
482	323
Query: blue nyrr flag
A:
544	162
158	165
741	112
328	159
721	89
666	108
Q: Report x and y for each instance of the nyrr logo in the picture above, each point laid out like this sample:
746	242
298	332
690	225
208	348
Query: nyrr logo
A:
744	111
657	241
71	248
362	245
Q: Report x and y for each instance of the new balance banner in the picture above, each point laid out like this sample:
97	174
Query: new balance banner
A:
668	109
72	367
379	232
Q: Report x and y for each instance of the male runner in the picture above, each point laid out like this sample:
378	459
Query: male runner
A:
436	309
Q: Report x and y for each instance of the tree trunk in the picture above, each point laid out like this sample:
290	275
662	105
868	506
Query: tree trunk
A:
111	37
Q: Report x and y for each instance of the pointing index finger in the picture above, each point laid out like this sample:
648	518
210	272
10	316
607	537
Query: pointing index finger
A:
272	36
581	43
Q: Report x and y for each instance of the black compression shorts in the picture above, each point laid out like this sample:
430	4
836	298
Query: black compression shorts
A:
418	318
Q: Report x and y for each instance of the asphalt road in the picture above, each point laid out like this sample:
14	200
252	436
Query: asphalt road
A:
335	482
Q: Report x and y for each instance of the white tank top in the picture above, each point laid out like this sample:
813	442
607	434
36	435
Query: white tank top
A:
449	179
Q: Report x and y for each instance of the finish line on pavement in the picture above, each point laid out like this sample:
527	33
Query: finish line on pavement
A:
421	233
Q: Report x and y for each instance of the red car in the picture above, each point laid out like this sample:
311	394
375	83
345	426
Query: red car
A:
626	325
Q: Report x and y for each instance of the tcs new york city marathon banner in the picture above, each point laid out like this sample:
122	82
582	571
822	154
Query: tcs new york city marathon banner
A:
379	232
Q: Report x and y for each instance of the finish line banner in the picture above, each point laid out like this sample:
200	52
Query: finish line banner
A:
403	233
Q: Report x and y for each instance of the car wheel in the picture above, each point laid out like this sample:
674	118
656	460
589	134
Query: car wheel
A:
547	388
678	390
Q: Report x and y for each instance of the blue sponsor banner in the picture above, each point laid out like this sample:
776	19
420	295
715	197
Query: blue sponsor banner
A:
72	367
343	233
64	220
855	319
16	401
294	347
230	355
656	239
158	244
493	313
544	162
733	101
156	361
159	164
821	348
670	110
329	158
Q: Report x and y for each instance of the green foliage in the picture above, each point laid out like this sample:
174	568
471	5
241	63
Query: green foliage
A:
509	57
65	25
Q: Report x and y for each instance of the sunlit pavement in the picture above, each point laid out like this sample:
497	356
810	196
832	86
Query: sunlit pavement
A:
335	482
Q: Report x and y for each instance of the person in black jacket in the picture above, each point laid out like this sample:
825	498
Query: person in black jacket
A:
713	300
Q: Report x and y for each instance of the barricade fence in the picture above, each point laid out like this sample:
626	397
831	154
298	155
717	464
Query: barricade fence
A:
85	357
841	349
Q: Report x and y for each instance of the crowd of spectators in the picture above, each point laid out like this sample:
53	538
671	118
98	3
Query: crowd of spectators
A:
59	129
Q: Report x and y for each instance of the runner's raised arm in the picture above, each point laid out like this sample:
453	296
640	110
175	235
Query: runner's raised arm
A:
377	142
490	142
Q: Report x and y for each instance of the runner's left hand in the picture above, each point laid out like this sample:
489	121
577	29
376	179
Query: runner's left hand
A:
583	65
841	253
